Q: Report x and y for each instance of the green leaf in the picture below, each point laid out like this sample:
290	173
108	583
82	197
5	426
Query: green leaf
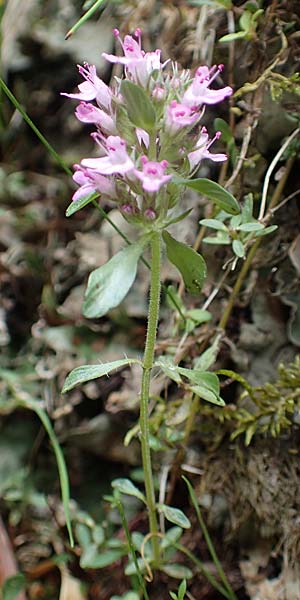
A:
125	486
175	515
13	586
208	358
179	218
213	224
190	264
199	315
83	534
246	21
238	248
267	230
182	590
109	284
80	203
214	192
139	107
208	395
202	378
221	125
168	368
92	559
171	536
177	571
88	372
230	37
249	227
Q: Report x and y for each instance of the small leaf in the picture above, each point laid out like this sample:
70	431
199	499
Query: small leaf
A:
208	358
92	559
249	227
168	368
139	107
175	515
267	230
171	536
179	218
214	192
221	125
238	248
89	372
207	395
80	203
214	224
13	586
125	486
190	264
199	315
218	240
83	534
109	284
182	590
177	571
230	37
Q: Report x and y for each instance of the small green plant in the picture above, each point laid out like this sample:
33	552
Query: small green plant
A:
248	23
241	230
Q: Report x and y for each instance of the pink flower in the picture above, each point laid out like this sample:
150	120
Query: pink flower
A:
152	176
93	88
91	181
116	161
178	116
138	64
202	149
87	113
198	92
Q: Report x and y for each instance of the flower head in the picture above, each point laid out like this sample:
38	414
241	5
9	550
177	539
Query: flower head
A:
138	64
88	113
93	88
202	149
178	116
198	92
152	176
90	181
116	161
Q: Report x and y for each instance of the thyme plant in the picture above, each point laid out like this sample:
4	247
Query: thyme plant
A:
150	141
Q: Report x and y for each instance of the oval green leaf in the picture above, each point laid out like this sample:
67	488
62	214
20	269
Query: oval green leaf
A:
109	284
177	571
80	203
214	192
190	264
139	107
175	515
89	372
125	486
13	586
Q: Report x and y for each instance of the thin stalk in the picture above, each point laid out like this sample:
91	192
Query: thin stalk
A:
131	548
200	565
209	542
85	17
145	390
37	132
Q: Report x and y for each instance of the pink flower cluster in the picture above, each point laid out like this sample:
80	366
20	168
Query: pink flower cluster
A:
135	165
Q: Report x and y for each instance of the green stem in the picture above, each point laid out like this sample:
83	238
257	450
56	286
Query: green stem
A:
147	367
131	548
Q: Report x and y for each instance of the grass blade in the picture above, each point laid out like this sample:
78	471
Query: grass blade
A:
29	122
84	18
61	465
209	542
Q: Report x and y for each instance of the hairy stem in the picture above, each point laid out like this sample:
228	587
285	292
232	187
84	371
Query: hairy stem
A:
147	367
